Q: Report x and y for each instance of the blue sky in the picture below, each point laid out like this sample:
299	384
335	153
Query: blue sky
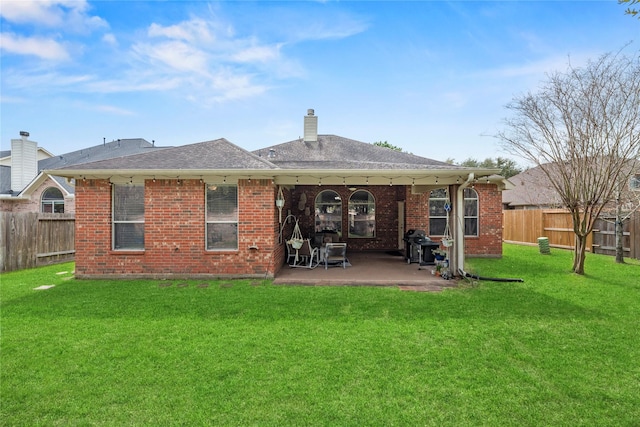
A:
431	77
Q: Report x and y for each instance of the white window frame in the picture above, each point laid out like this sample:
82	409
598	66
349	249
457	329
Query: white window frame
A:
361	212
320	206
115	222
211	220
471	217
52	203
438	218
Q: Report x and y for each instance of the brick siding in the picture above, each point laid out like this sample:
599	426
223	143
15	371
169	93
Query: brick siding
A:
175	233
175	228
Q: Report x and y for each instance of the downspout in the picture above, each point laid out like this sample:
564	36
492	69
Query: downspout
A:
458	244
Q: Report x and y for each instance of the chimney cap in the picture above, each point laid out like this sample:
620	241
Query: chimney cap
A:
24	133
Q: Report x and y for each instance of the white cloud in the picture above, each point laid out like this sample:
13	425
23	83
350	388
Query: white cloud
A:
110	39
36	46
194	31
109	109
178	56
541	66
68	14
257	54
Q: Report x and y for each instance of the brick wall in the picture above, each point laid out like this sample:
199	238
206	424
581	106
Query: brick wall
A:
416	211
175	228
489	241
175	233
386	198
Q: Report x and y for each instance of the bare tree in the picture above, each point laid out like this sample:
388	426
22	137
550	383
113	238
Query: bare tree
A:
581	128
630	10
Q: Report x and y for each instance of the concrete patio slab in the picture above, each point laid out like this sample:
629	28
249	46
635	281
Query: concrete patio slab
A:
368	269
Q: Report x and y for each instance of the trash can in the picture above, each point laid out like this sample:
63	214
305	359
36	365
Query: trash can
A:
543	245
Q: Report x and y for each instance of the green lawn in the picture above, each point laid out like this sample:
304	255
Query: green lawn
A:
558	349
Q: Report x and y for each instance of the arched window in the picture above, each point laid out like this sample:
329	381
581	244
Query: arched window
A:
328	212
437	212
52	201
362	214
470	212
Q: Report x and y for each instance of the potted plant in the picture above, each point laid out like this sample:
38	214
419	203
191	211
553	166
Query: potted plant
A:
439	254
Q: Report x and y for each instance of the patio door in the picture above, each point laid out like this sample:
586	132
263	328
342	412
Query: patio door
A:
400	225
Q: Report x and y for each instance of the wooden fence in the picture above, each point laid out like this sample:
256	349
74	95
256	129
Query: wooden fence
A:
32	239
525	226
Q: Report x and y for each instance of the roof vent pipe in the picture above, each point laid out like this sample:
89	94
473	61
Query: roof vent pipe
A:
310	127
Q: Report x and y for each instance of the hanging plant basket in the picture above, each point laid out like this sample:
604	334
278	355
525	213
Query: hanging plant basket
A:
296	240
447	243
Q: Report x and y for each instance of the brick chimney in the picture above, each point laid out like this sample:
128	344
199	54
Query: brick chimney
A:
310	127
24	162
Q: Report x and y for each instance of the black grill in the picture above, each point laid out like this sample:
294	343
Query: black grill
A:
418	247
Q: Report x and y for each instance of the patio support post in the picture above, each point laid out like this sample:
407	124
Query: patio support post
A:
458	238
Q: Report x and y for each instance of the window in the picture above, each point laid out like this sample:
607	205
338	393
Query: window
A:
222	217
470	212
52	201
634	183
128	217
362	214
438	200
328	212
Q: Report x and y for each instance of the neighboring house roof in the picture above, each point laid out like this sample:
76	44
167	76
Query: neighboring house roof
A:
107	150
5	156
531	188
5	179
210	155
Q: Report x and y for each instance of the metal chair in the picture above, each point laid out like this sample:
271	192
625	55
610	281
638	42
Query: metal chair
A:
335	253
307	256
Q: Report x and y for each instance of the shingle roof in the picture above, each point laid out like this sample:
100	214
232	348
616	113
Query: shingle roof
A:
109	150
5	179
336	152
208	155
532	188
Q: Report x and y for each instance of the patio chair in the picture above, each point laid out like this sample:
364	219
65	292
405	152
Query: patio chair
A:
291	253
308	256
335	253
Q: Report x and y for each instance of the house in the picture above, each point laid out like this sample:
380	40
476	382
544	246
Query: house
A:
213	209
532	189
24	187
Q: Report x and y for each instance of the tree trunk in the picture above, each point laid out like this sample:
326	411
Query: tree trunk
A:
579	254
619	240
619	231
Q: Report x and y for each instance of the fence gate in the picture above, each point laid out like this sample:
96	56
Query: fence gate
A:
604	236
28	240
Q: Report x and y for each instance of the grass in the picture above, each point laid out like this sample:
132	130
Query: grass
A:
558	349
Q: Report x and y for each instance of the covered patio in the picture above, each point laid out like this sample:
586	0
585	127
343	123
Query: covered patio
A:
368	268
